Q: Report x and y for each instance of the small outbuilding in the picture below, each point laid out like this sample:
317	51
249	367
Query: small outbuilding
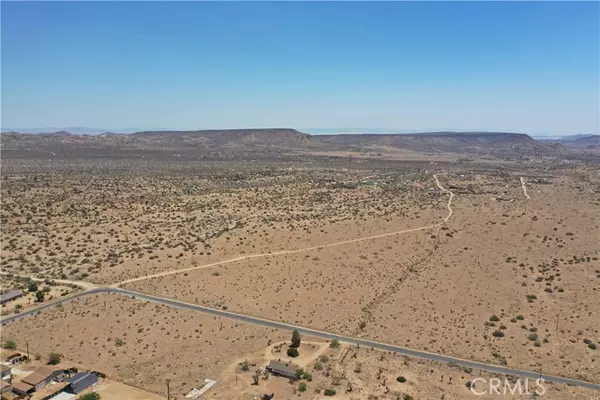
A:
5	372
16	358
81	381
282	369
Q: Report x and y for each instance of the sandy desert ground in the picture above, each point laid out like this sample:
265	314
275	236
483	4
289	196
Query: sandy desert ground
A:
512	277
143	344
502	263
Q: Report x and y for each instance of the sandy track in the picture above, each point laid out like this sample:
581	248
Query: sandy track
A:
283	252
524	188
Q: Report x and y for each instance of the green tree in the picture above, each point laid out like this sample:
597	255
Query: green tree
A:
9	345
296	339
334	344
39	296
54	358
292	352
32	286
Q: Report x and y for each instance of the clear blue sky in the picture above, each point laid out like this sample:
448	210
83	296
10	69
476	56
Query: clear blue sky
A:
511	66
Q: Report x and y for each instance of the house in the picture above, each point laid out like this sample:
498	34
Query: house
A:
23	388
282	369
82	381
50	391
16	358
8	296
43	376
5	372
10	396
5	386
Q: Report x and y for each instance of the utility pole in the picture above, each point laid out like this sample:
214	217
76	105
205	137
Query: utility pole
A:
28	358
557	319
168	390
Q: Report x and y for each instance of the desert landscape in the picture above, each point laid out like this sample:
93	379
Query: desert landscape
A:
488	256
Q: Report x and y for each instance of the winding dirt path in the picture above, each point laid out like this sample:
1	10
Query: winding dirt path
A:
283	252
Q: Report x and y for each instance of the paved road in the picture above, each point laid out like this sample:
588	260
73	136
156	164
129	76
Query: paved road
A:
314	332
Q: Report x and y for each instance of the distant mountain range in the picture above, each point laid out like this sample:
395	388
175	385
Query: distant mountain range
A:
280	140
75	130
79	130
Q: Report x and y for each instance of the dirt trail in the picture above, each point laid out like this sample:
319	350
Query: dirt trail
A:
301	360
524	188
82	284
282	252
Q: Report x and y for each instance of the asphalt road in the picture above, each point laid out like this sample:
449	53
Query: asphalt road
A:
313	332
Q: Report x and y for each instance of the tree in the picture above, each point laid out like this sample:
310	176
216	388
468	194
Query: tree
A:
39	296
295	339
89	396
9	345
255	376
32	286
334	344
54	358
292	352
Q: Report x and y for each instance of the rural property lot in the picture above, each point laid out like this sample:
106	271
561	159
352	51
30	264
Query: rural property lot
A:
523	263
140	343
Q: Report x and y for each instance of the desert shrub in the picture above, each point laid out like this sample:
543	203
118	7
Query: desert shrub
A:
89	396
9	345
533	337
494	318
329	392
302	387
245	366
54	358
324	358
318	367
401	379
498	334
592	346
119	342
334	344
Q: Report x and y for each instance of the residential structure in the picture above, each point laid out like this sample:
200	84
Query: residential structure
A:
43	376
282	369
5	372
82	381
8	296
16	358
5	387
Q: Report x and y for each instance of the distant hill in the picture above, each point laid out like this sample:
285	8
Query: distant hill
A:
582	142
497	144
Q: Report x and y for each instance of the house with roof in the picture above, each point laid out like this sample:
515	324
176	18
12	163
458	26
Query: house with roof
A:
40	378
5	372
9	296
16	358
5	387
81	381
286	370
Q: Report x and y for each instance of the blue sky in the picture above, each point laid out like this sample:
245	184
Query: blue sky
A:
504	66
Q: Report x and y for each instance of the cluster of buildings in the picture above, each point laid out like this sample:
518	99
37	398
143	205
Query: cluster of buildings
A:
45	383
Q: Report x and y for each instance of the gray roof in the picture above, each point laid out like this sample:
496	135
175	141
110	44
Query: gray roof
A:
81	381
281	368
13	294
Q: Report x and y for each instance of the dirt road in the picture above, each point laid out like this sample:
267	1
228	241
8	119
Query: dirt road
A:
524	188
282	252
